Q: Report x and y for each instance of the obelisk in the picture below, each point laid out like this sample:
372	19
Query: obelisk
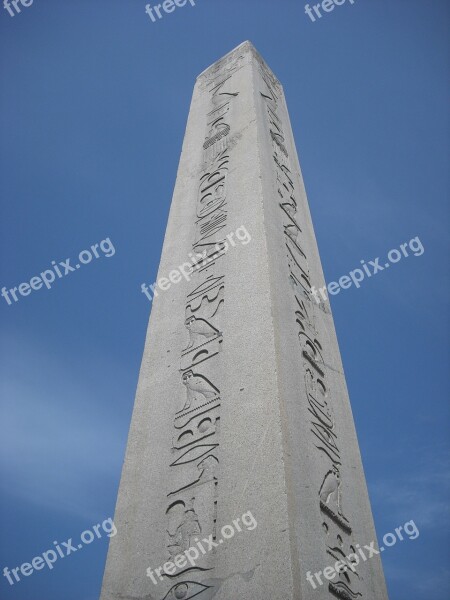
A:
242	447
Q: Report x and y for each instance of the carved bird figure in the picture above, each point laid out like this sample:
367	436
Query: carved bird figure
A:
197	387
331	488
199	330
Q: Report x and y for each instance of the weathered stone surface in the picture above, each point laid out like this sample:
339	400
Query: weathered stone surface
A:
241	403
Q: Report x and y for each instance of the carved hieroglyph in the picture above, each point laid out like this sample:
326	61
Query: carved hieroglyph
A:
196	468
319	395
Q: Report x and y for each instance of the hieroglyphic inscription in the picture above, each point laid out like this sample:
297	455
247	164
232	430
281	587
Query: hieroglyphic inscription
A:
336	526
193	492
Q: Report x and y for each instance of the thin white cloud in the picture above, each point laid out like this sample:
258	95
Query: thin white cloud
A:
420	494
59	446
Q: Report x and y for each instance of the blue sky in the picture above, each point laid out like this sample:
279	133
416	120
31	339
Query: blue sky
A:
93	109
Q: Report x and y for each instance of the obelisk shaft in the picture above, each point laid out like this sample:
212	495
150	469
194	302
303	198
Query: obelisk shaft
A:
242	414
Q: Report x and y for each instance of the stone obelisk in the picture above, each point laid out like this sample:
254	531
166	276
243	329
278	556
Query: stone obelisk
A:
242	448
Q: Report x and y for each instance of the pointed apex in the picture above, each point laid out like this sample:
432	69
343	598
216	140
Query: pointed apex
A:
247	45
243	47
242	50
